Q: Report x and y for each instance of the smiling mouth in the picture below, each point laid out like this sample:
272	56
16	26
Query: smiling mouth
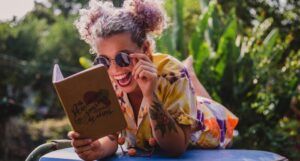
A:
124	80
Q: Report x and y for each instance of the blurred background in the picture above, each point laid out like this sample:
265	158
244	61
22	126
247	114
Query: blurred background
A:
246	54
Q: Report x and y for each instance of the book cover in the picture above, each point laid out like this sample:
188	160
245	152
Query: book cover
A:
89	101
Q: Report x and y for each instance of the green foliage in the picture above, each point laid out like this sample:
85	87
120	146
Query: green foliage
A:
8	109
246	54
22	137
49	129
250	71
183	16
85	62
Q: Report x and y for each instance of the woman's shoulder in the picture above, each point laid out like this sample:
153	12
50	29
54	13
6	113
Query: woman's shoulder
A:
167	64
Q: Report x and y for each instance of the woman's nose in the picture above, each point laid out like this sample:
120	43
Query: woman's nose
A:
114	68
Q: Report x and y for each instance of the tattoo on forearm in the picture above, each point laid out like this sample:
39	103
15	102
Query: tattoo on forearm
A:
164	123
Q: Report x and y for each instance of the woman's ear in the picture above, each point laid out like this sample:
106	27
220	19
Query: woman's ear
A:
147	49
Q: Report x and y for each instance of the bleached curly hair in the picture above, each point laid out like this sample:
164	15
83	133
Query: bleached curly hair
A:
144	19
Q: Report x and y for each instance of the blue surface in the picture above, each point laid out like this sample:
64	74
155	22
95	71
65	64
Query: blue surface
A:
190	155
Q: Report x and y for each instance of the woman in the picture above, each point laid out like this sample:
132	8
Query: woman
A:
154	90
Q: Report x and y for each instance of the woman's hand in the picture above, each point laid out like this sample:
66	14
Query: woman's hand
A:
86	149
145	74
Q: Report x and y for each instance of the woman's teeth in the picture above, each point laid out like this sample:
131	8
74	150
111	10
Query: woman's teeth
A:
122	76
124	79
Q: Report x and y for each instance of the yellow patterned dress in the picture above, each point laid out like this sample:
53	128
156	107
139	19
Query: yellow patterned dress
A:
212	123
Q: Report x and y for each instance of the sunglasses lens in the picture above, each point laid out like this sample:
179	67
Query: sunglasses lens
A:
102	60
122	59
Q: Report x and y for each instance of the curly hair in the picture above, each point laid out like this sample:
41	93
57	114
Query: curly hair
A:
144	19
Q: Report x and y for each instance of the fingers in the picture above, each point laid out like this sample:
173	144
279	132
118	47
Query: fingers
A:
143	68
91	152
143	62
96	144
82	146
134	61
76	141
86	148
73	135
80	142
86	155
143	65
112	137
140	56
146	74
82	149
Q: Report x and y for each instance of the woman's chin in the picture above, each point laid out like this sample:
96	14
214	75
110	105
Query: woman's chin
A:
129	88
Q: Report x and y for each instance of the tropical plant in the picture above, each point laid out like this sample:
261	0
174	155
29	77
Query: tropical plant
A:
246	54
249	71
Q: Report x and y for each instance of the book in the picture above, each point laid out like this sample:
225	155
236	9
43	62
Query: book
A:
89	101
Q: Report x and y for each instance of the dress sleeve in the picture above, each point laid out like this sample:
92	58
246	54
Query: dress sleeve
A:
212	124
177	96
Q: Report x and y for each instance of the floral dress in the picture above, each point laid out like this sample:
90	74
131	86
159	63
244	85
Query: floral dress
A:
212	124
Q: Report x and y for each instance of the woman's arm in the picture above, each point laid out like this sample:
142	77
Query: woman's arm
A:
170	136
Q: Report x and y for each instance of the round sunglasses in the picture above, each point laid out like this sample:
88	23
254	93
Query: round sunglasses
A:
122	59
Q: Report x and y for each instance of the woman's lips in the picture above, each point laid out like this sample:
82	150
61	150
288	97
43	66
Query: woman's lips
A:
124	79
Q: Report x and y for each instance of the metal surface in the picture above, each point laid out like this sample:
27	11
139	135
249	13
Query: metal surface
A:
190	155
46	148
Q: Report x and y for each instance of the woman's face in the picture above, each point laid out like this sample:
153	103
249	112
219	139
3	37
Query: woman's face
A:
110	47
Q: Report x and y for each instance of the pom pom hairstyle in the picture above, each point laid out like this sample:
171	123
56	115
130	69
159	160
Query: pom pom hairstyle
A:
144	19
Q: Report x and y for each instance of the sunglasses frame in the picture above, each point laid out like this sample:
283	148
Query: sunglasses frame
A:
124	63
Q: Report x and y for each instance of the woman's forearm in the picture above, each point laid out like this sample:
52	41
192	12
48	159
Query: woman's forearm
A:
168	134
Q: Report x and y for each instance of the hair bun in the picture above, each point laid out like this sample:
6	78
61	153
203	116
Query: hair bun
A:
89	16
148	14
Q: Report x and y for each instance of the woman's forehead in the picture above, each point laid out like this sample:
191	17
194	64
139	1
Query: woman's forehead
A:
115	43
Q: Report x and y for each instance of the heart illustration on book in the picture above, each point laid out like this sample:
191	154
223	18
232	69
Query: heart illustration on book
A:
100	96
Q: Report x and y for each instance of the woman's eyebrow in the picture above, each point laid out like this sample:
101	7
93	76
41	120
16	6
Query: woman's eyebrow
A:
99	55
128	51
125	51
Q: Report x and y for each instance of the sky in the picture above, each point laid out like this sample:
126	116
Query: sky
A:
10	8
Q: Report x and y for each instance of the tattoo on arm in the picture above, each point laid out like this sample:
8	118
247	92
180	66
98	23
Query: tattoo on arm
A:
164	123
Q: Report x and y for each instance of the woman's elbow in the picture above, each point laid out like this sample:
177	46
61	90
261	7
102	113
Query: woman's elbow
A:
177	152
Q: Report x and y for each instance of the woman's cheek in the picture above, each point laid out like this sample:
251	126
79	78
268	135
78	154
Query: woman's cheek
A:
111	78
